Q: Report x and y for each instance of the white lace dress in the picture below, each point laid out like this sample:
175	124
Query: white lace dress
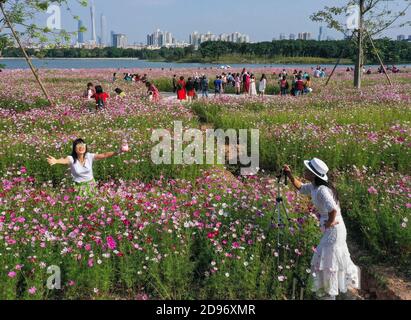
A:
332	268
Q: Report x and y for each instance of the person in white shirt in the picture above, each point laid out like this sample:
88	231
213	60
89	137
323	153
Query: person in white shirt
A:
81	165
262	85
332	268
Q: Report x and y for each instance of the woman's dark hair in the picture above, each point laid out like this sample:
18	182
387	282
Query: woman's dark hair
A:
263	77
74	153
308	78
89	85
148	83
118	90
181	78
320	182
99	89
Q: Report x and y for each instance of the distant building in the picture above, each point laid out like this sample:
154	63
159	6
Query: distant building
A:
282	36
93	23
195	39
160	39
80	34
401	37
103	31
320	34
119	40
304	36
112	33
292	36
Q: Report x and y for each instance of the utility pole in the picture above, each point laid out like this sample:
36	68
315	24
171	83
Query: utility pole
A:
359	60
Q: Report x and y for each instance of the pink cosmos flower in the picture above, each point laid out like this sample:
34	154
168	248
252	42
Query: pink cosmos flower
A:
11	274
111	243
32	290
236	245
372	190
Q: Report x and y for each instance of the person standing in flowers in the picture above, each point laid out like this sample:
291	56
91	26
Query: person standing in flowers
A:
81	165
332	268
252	88
152	92
181	89
262	85
190	89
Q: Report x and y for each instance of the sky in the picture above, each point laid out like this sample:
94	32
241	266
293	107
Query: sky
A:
262	20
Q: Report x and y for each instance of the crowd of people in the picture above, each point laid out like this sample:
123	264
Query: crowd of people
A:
98	94
246	83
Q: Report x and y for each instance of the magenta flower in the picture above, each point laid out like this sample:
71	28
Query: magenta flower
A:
372	190
236	245
111	243
11	274
32	290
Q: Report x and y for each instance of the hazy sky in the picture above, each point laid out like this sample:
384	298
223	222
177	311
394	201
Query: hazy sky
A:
262	20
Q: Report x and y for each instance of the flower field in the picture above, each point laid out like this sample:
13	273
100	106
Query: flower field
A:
192	231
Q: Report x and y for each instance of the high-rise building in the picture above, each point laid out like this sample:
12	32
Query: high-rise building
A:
196	39
103	31
112	33
119	40
401	37
320	34
292	36
304	36
93	22
160	39
80	33
282	36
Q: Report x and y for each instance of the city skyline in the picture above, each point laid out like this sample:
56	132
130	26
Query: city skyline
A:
136	18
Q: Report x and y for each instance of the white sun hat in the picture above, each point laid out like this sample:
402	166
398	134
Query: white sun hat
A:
318	167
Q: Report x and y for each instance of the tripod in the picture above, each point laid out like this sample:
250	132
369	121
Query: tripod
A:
280	205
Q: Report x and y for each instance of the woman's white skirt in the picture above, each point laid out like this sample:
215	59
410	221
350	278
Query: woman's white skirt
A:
332	268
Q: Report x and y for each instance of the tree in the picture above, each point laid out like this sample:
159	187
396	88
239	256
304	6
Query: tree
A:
376	16
18	15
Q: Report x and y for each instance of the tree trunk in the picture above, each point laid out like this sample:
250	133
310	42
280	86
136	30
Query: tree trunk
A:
6	18
359	60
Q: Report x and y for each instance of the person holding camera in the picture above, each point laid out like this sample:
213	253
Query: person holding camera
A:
332	268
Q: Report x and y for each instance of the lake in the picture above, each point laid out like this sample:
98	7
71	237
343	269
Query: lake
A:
17	63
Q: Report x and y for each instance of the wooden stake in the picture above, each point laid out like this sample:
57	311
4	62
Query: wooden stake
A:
379	59
338	62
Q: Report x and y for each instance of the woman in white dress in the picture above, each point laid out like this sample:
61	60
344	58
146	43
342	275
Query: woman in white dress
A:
332	268
253	89
262	86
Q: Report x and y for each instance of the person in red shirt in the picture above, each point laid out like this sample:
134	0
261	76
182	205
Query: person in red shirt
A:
101	97
152	92
299	86
181	89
